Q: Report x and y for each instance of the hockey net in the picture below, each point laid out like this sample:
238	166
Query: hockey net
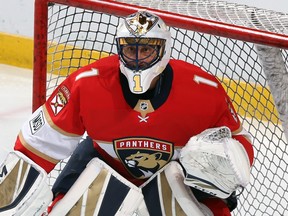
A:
245	47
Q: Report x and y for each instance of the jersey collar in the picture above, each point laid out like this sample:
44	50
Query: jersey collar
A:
155	98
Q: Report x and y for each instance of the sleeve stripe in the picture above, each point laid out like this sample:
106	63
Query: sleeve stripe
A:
92	72
35	151
55	127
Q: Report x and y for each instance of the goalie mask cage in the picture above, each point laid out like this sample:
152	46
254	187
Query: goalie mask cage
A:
245	47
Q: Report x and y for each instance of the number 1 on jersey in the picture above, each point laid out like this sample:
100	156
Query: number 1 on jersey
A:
137	86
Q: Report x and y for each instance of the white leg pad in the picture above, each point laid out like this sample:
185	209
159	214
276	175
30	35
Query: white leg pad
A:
183	193
100	190
166	194
24	190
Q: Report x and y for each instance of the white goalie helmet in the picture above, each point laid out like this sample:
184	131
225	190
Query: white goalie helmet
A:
144	48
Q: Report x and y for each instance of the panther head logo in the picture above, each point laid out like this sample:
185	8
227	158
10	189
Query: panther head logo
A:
143	156
146	163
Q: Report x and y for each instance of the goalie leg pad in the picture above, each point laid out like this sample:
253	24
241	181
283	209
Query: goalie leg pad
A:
23	187
100	190
166	194
215	162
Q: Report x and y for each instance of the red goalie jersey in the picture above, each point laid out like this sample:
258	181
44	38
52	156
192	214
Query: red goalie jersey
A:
126	127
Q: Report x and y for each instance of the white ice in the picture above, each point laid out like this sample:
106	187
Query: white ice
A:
15	104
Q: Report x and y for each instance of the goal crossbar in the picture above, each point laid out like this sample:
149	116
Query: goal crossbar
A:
245	47
172	19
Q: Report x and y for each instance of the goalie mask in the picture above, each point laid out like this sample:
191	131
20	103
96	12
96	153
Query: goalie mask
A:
144	47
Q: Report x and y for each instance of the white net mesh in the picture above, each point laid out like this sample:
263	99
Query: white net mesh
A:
223	12
79	35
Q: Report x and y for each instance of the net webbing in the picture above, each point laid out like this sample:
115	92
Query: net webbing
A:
77	37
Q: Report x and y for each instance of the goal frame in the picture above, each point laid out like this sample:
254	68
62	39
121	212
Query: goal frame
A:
248	52
123	9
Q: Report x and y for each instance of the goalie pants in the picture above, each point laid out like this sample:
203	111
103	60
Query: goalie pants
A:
84	153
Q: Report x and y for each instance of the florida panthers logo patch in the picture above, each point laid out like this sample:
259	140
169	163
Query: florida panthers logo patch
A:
60	100
143	156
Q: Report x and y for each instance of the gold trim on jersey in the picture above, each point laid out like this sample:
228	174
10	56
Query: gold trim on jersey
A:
236	132
144	107
55	127
35	151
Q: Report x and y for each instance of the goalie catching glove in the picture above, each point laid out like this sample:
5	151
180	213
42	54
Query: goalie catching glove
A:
215	163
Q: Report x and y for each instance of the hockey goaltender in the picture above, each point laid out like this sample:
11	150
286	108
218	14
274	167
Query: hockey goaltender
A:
161	137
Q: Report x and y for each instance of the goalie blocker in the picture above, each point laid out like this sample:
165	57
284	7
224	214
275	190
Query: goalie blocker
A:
28	192
215	162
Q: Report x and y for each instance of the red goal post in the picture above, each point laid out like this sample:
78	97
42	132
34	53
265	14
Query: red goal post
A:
245	47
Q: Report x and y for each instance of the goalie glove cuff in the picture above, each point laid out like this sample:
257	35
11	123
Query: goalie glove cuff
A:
215	162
